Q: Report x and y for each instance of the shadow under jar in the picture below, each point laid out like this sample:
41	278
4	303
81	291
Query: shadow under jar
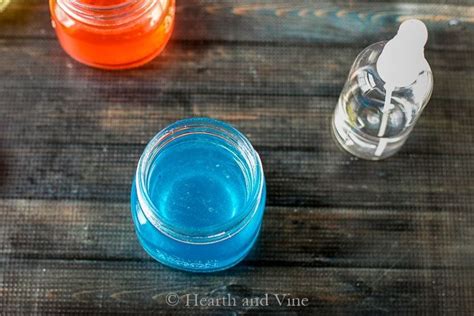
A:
198	196
113	34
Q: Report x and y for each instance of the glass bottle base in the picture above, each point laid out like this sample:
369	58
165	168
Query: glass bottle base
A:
359	147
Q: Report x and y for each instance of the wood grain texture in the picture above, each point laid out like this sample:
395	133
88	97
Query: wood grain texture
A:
294	177
45	286
356	23
354	237
215	69
282	99
291	236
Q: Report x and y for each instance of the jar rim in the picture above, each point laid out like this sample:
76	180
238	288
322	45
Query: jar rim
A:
110	15
123	4
185	128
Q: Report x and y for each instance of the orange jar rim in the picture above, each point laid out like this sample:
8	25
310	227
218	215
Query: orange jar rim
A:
109	15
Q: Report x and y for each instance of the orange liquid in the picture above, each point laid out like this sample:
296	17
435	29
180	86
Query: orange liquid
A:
103	3
115	47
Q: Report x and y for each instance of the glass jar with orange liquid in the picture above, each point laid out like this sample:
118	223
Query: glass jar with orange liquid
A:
113	34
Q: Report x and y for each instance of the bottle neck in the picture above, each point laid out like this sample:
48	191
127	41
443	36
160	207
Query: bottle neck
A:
115	13
402	58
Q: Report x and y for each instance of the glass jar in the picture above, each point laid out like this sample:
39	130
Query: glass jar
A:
113	34
198	196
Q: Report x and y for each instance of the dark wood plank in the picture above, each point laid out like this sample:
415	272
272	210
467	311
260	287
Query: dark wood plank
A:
294	177
57	286
393	237
214	69
352	23
298	123
90	127
84	146
306	237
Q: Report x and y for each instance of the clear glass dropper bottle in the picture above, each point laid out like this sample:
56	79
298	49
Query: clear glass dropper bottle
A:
388	87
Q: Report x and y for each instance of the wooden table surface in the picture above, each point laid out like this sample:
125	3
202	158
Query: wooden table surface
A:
352	236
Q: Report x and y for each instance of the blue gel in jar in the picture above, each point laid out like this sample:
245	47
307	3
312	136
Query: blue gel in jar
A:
198	196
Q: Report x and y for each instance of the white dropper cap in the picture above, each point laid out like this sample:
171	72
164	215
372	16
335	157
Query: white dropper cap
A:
403	57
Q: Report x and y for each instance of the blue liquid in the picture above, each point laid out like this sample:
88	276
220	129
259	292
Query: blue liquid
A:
199	186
